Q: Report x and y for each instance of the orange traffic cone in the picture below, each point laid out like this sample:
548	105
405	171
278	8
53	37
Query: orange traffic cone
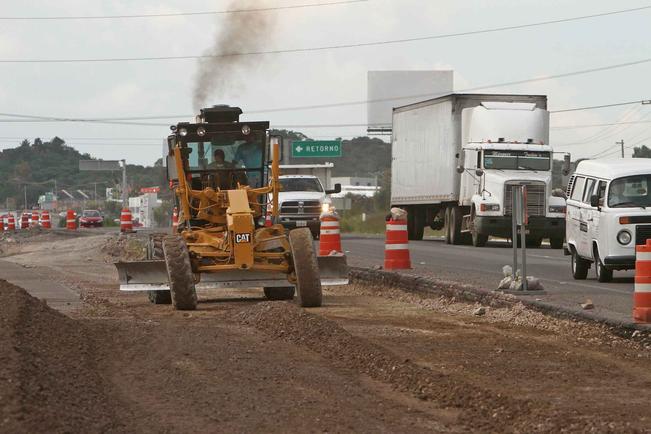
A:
126	224
45	220
34	219
175	220
11	222
642	294
24	221
71	221
330	238
396	248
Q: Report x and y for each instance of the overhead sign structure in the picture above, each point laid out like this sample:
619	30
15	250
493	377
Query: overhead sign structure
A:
317	149
99	165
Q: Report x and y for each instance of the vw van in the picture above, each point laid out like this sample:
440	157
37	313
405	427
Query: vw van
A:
607	215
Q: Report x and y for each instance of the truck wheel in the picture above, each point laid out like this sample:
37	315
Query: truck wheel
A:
415	223
533	242
579	266
455	225
281	293
308	280
603	274
446	226
556	243
179	273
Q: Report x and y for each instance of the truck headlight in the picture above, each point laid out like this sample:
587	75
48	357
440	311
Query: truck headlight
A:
624	237
558	209
325	207
493	207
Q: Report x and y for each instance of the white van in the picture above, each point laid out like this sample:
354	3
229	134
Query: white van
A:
607	215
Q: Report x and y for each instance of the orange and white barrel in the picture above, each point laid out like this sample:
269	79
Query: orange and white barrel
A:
71	221
642	294
35	219
45	220
126	223
330	236
11	222
396	247
24	220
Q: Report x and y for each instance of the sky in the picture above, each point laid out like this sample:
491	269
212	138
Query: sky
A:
271	81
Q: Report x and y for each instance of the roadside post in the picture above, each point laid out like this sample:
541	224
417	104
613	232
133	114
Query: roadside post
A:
520	220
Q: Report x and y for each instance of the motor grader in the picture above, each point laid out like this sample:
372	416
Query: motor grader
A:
225	183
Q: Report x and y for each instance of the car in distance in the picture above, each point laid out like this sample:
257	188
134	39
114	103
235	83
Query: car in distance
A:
91	218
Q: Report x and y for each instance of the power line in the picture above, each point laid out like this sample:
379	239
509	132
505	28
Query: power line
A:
327	47
575	109
572	127
178	14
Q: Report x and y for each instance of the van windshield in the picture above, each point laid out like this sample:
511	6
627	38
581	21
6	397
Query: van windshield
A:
516	160
631	191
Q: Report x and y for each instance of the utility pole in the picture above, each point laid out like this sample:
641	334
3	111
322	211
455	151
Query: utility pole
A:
125	200
621	142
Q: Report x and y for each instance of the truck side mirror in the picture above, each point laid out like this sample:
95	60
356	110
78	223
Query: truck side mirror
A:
479	173
335	190
460	169
594	200
567	164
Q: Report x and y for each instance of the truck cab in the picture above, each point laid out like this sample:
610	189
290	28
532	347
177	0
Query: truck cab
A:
302	200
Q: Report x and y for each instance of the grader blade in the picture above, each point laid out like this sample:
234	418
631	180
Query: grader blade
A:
152	276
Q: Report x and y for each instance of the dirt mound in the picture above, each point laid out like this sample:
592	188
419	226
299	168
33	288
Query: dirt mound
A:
480	409
48	378
124	248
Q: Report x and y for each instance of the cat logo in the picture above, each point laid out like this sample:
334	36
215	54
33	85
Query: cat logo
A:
242	238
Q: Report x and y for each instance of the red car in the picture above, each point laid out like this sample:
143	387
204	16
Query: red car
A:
91	218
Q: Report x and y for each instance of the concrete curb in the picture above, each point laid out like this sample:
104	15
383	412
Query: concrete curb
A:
429	285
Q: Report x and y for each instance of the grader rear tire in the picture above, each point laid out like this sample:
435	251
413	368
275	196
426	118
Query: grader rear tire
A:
308	280
179	272
280	293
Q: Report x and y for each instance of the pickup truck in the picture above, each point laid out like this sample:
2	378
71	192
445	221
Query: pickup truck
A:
302	200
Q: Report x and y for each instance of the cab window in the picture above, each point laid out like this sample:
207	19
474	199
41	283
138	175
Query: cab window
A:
577	190
589	188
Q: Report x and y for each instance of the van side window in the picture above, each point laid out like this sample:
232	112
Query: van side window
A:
589	188
577	189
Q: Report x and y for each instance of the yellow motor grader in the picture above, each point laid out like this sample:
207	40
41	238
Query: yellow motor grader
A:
224	183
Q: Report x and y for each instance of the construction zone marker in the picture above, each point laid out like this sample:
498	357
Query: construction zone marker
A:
24	221
126	224
396	248
35	219
71	222
330	238
45	220
11	222
642	294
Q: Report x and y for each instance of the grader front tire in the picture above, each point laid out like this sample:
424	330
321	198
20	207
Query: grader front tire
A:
306	266
179	272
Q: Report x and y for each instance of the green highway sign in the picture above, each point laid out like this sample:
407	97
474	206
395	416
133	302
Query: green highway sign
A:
317	148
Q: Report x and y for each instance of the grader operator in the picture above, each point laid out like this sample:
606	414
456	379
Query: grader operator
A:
220	171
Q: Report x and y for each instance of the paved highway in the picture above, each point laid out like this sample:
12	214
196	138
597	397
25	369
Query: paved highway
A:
483	267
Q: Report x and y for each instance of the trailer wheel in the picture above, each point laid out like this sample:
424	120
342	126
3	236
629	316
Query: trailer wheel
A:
179	273
446	225
308	279
533	242
415	223
556	243
279	293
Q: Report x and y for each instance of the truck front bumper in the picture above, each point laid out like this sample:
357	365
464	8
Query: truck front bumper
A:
298	222
500	226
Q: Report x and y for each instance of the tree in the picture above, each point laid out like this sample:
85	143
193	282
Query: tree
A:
642	152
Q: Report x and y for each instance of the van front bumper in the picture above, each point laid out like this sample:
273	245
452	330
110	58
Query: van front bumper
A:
620	262
500	226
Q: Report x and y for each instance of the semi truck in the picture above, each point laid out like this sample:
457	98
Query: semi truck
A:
457	158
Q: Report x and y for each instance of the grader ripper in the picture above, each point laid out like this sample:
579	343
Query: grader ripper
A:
219	170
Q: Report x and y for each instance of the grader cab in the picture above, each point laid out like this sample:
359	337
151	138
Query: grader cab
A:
221	173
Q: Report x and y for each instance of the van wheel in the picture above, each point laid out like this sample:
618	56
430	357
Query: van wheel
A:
603	274
579	266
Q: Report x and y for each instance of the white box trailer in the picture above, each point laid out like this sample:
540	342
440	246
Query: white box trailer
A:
456	158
